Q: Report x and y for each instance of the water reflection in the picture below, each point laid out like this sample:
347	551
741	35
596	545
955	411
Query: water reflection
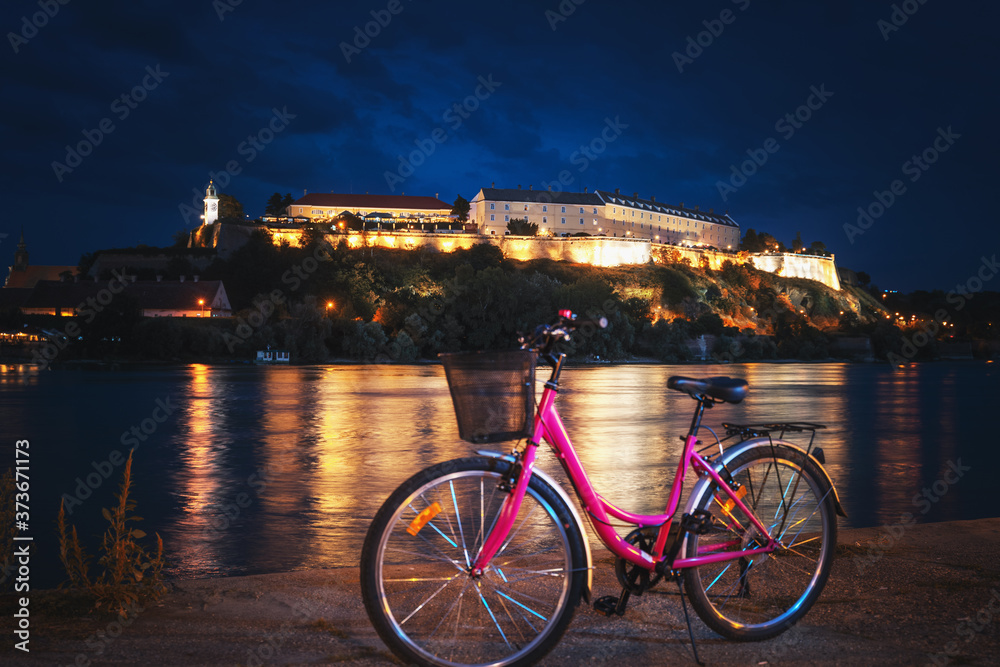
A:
266	469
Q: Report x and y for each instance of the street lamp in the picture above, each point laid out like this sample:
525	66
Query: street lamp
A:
329	307
201	302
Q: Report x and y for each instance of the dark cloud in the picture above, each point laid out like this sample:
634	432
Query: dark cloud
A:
355	115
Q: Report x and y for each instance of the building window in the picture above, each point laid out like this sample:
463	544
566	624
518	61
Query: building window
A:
545	220
545	209
595	210
525	207
595	221
564	220
563	209
506	218
581	209
492	217
506	207
492	206
581	221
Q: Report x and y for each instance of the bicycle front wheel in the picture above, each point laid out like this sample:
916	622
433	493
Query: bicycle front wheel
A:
416	561
757	597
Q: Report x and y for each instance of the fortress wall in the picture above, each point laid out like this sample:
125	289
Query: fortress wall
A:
790	265
599	251
667	254
409	241
593	250
596	250
605	251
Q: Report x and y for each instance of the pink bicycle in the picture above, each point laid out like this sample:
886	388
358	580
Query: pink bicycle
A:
483	560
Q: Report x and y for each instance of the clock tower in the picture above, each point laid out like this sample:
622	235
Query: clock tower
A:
211	204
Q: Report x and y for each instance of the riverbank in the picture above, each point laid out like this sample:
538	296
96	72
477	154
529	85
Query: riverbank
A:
27	367
923	594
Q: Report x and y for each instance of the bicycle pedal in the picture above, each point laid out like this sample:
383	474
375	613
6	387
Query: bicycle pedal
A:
611	605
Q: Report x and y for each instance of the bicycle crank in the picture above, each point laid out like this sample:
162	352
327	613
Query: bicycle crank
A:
634	578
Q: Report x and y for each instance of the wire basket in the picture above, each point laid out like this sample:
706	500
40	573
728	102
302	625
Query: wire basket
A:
493	393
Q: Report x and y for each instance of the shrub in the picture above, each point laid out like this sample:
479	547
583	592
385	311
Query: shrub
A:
130	574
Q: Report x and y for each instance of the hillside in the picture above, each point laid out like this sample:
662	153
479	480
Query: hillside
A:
385	304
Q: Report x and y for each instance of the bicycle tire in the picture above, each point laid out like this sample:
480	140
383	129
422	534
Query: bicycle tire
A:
417	589
758	598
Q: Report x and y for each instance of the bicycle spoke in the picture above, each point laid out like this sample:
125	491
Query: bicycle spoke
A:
419	597
458	520
424	603
522	606
709	587
769	591
490	611
515	533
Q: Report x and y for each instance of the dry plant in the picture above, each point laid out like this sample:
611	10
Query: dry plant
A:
130	574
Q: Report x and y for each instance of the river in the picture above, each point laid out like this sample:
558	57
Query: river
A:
264	469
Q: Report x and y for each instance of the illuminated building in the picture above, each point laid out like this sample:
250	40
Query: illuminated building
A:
602	213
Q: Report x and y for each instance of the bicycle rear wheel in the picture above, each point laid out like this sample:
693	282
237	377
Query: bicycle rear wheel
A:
755	598
416	581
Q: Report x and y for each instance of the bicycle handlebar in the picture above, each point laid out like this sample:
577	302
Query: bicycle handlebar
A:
546	335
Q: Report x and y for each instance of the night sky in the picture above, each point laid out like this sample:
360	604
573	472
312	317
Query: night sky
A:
790	115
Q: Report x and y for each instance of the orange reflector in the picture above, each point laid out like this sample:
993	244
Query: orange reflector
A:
728	506
423	518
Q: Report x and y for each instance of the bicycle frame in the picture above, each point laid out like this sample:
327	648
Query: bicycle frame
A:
548	426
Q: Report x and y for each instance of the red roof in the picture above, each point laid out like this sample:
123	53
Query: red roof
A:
372	202
30	276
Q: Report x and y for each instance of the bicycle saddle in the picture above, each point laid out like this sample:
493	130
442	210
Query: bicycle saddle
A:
730	390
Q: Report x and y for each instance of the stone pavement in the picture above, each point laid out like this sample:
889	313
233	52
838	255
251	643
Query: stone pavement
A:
924	594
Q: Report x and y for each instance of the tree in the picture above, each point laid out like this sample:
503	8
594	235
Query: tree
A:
769	243
521	227
750	241
817	248
230	208
461	209
286	201
863	278
797	243
181	238
274	205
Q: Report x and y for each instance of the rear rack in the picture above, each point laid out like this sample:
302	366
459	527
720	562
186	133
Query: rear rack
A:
757	430
747	431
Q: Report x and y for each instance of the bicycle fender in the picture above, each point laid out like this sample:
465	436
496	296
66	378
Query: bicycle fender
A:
572	509
728	455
